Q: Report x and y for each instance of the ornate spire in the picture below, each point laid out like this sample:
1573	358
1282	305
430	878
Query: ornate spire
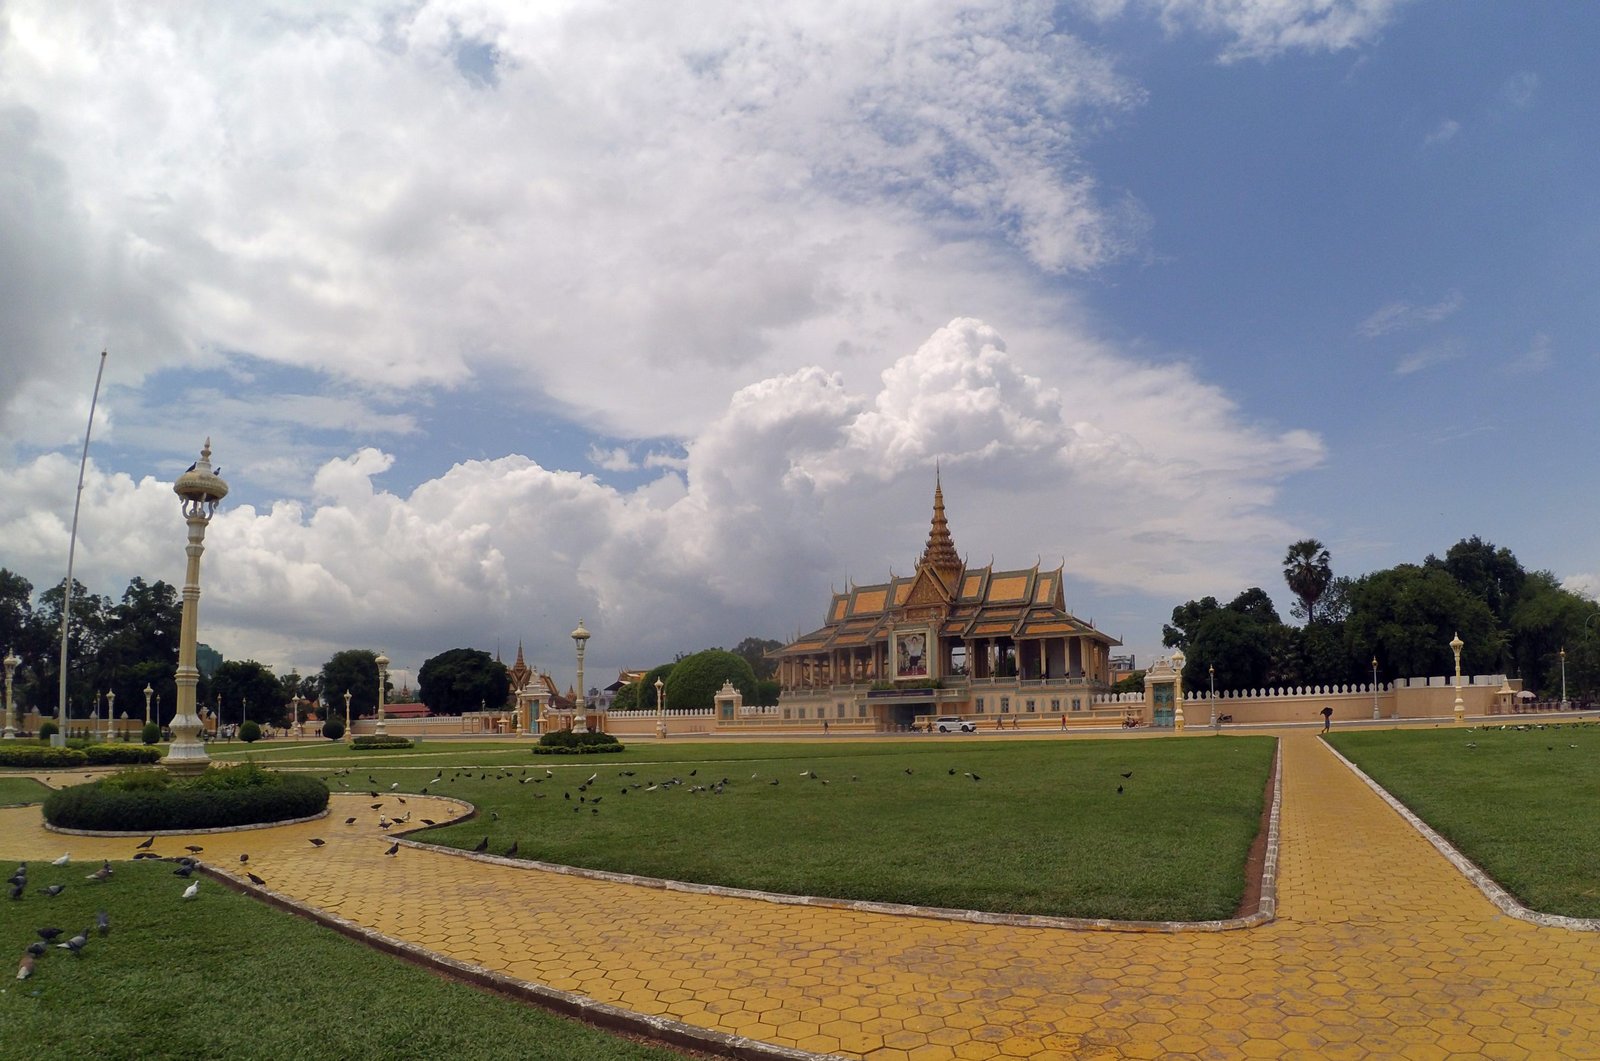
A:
940	552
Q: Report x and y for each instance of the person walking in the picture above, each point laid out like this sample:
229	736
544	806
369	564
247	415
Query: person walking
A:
1327	718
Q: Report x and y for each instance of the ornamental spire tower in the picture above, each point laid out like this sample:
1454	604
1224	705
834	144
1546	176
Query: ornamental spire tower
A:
940	552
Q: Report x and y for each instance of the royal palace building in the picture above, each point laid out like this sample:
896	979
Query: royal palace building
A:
948	639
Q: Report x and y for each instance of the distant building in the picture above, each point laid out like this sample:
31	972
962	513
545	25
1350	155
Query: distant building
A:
948	639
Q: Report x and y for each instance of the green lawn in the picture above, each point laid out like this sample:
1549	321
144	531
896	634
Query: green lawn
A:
1518	801
1044	831
225	976
21	790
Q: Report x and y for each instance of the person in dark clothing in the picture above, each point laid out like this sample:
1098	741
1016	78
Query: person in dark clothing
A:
1327	718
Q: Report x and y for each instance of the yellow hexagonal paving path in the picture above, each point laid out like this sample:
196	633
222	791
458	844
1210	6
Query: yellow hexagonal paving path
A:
1380	949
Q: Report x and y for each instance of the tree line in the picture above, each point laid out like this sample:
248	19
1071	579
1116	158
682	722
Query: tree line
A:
1400	620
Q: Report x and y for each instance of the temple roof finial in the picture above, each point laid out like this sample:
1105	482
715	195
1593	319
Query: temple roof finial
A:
940	552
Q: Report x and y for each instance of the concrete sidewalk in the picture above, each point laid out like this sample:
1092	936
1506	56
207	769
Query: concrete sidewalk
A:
1381	948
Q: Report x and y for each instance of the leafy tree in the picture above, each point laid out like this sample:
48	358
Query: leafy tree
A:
356	670
695	680
1308	573
1185	620
754	652
249	690
1237	644
1491	574
767	691
207	660
1406	616
85	637
462	679
626	698
141	645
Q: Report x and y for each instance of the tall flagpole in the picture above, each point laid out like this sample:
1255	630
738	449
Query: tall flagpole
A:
72	547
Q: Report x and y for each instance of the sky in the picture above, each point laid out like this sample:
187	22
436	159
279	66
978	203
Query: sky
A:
499	315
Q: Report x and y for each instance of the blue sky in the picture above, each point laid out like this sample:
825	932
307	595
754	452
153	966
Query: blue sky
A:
501	315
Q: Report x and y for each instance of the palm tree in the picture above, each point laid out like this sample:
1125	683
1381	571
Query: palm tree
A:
1306	570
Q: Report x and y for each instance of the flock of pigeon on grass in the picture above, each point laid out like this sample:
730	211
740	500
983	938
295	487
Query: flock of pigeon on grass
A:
48	935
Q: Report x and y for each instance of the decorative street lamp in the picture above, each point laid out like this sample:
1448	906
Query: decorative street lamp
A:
580	637
294	709
1211	675
383	688
199	491
1375	688
347	733
111	711
147	694
1563	677
1456	645
661	709
11	662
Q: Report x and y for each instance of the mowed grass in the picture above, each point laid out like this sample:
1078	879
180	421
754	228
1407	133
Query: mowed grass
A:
1519	801
15	790
1044	831
224	976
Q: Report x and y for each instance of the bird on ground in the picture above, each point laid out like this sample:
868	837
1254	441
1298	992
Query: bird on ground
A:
483	845
183	871
191	891
140	856
243	859
549	773
377	806
436	780
37	947
512	850
16	889
1127	775
591	779
427	821
255	879
103	873
63	860
972	775
402	800
394	786
952	771
774	781
494	815
194	849
696	770
349	821
25	968
147	844
48	934
1119	790
102	921
315	842
76	943
54	890
393	848
909	770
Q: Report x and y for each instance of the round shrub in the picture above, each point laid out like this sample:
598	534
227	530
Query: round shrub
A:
48	730
35	755
373	742
333	729
151	733
250	731
153	800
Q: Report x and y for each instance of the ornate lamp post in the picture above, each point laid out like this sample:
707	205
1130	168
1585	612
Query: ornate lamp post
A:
111	712
1375	687
661	709
383	686
11	662
294	711
347	734
148	692
580	722
1211	676
1563	677
1456	644
199	491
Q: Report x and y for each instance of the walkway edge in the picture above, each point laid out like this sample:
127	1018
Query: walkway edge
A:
1486	884
1266	909
567	1003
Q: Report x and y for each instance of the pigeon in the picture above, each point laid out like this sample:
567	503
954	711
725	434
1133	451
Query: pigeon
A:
102	921
1119	790
494	815
591	779
103	873
349	821
192	890
1127	775
512	850
183	871
316	842
483	845
76	943
909	770
63	860
255	879
394	786
37	947
243	859
54	890
393	848
194	849
48	934
25	969
147	844
427	821
376	806
140	856
974	776
952	771
16	889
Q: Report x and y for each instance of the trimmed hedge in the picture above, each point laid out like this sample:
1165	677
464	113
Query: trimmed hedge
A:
250	731
333	729
373	742
121	754
35	755
48	730
565	742
150	733
153	800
